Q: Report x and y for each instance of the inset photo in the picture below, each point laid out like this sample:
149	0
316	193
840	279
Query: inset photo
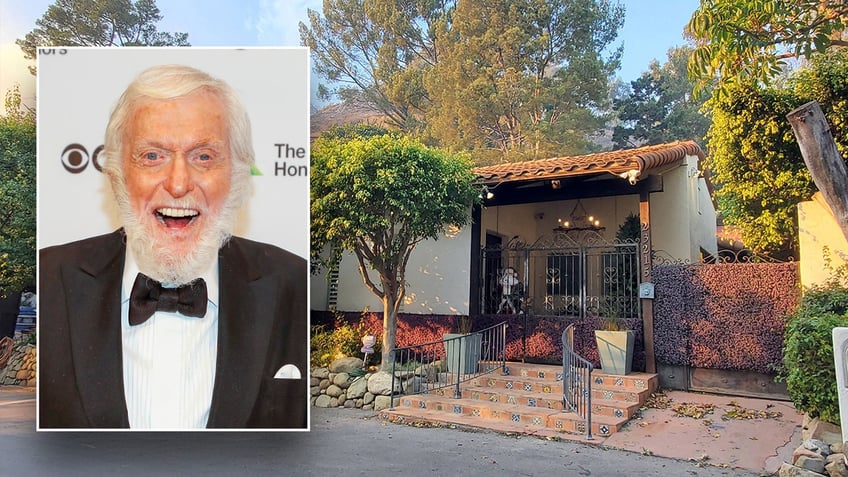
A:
173	236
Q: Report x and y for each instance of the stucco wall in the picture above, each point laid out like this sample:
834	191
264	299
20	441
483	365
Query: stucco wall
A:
438	278
820	237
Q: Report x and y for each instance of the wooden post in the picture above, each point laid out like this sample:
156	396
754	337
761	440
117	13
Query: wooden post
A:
822	158
474	293
645	277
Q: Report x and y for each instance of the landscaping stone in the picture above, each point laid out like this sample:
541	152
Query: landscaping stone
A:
381	383
345	365
803	451
815	464
818	446
358	388
341	380
320	373
325	383
333	391
367	399
789	470
313	381
836	467
314	391
324	401
824	431
383	402
414	385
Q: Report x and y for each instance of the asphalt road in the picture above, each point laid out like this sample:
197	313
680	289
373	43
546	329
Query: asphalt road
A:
343	442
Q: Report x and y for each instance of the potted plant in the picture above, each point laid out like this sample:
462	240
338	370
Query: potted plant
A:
462	349
615	342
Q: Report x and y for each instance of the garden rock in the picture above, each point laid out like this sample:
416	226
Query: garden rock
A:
383	402
368	399
334	391
346	365
380	383
789	470
325	401
341	380
357	388
820	447
815	464
320	373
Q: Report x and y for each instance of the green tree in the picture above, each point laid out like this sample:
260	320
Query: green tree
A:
378	197
748	41
507	80
523	80
759	173
659	106
17	196
99	23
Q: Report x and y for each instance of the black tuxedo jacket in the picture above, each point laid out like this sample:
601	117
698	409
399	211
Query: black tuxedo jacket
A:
262	325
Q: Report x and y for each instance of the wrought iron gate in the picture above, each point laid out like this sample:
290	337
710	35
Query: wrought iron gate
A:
563	275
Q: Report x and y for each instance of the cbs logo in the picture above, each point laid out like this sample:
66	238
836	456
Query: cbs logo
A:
75	158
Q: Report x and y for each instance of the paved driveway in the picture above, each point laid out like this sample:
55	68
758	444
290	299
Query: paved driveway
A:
343	442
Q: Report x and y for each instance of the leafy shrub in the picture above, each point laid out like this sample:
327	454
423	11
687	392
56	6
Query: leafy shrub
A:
342	339
808	357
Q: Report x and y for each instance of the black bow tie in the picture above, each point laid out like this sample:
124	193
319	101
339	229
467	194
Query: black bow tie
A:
148	296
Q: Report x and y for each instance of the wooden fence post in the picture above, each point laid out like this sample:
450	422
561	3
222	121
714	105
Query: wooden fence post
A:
822	158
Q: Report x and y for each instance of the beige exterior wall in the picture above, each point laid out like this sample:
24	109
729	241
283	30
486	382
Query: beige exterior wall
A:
683	219
438	279
438	275
820	237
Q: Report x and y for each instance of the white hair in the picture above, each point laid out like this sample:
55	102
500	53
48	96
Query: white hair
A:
168	82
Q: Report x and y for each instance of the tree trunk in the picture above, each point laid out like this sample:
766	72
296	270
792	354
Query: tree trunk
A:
822	158
389	331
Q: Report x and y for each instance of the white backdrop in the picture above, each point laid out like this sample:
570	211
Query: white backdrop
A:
77	89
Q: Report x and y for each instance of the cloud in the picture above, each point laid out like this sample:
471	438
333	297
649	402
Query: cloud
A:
277	21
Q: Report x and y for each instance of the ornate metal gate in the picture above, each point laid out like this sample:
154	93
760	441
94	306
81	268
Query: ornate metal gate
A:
567	274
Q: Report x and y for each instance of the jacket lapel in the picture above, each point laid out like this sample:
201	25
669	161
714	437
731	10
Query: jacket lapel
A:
94	304
245	316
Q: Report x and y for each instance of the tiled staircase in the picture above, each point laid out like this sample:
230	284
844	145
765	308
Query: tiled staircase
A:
528	401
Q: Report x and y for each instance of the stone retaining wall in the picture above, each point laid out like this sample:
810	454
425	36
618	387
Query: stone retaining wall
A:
21	368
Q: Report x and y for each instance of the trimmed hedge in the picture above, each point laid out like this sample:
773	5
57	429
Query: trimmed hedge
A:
723	316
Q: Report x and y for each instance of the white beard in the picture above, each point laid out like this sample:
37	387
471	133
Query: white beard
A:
176	267
166	264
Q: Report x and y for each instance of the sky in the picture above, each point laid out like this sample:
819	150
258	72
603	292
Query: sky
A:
651	27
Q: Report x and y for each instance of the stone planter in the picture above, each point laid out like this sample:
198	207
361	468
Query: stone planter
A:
463	354
615	350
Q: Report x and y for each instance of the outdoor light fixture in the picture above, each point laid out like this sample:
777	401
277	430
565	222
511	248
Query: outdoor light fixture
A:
579	220
489	195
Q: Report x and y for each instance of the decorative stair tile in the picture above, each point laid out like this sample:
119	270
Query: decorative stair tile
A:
546	389
599	380
619	382
516	418
528	387
531	402
559	376
508	385
475	412
457	409
537	421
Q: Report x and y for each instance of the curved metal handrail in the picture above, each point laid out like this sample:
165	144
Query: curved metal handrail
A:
576	381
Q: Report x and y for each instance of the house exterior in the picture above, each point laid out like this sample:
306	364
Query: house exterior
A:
544	239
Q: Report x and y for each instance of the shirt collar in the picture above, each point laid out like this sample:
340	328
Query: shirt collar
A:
131	271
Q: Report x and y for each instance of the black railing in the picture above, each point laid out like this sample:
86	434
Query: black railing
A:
576	381
447	363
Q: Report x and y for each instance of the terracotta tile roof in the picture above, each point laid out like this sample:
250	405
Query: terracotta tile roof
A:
616	162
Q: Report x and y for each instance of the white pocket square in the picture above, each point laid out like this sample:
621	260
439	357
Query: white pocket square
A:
288	371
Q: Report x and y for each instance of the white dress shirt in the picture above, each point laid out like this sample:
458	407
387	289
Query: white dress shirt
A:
169	361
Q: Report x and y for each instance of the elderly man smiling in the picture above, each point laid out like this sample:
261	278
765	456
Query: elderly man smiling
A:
171	322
